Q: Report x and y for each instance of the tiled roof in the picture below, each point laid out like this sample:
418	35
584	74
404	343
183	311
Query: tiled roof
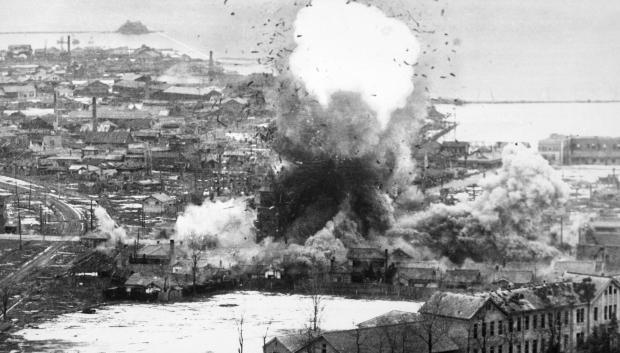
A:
454	305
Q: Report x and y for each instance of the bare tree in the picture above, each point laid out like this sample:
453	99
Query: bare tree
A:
432	327
239	323
265	335
197	245
5	295
318	306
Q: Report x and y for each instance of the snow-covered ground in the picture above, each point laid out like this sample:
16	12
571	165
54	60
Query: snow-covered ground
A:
204	326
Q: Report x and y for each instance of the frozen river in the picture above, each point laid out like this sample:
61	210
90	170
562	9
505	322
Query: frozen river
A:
208	325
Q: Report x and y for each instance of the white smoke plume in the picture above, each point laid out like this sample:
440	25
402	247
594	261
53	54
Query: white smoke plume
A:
506	221
108	227
346	46
227	224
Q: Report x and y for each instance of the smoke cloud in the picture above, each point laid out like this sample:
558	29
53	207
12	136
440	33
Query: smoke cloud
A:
224	224
505	222
108	227
346	46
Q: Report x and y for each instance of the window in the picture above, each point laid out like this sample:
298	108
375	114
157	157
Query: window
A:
595	313
579	338
566	317
475	333
491	349
518	324
324	348
492	328
565	342
615	309
510	325
500	327
518	348
500	349
534	346
550	320
610	289
605	312
526	323
534	321
542	320
526	347
484	329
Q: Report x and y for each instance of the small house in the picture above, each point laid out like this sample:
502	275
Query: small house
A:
158	203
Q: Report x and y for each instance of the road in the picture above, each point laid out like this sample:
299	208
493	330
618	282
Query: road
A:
71	219
42	259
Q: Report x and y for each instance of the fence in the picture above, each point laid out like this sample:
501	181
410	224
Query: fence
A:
341	289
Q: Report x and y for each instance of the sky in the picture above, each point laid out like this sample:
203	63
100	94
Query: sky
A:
498	49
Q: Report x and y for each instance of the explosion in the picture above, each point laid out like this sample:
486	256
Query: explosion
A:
505	222
108	227
348	118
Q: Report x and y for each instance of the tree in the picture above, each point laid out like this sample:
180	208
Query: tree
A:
604	338
239	323
197	245
432	327
5	294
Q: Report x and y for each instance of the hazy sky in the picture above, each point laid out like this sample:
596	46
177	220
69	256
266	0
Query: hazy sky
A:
552	49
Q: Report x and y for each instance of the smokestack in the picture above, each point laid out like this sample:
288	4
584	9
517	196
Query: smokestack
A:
94	114
69	46
171	251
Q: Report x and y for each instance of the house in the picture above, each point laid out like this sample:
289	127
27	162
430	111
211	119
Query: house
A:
418	277
174	93
113	138
391	318
378	339
127	88
20	92
93	89
367	263
158	203
509	278
601	242
160	253
399	257
286	344
462	278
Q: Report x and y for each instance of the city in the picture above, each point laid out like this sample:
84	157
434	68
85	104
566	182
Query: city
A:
333	188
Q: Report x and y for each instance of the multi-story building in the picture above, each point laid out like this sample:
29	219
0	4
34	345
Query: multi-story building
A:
565	150
555	149
528	320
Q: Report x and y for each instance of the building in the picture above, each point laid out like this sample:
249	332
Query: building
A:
594	150
555	149
20	92
600	242
408	337
188	93
93	89
530	319
570	150
158	203
462	278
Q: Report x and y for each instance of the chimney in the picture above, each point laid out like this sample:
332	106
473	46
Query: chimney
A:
94	114
171	251
69	46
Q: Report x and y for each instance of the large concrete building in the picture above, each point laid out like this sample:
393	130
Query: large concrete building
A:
566	150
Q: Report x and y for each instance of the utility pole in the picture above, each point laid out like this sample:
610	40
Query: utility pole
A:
19	218
91	214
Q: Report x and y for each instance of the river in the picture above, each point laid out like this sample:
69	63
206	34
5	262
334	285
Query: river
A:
208	325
